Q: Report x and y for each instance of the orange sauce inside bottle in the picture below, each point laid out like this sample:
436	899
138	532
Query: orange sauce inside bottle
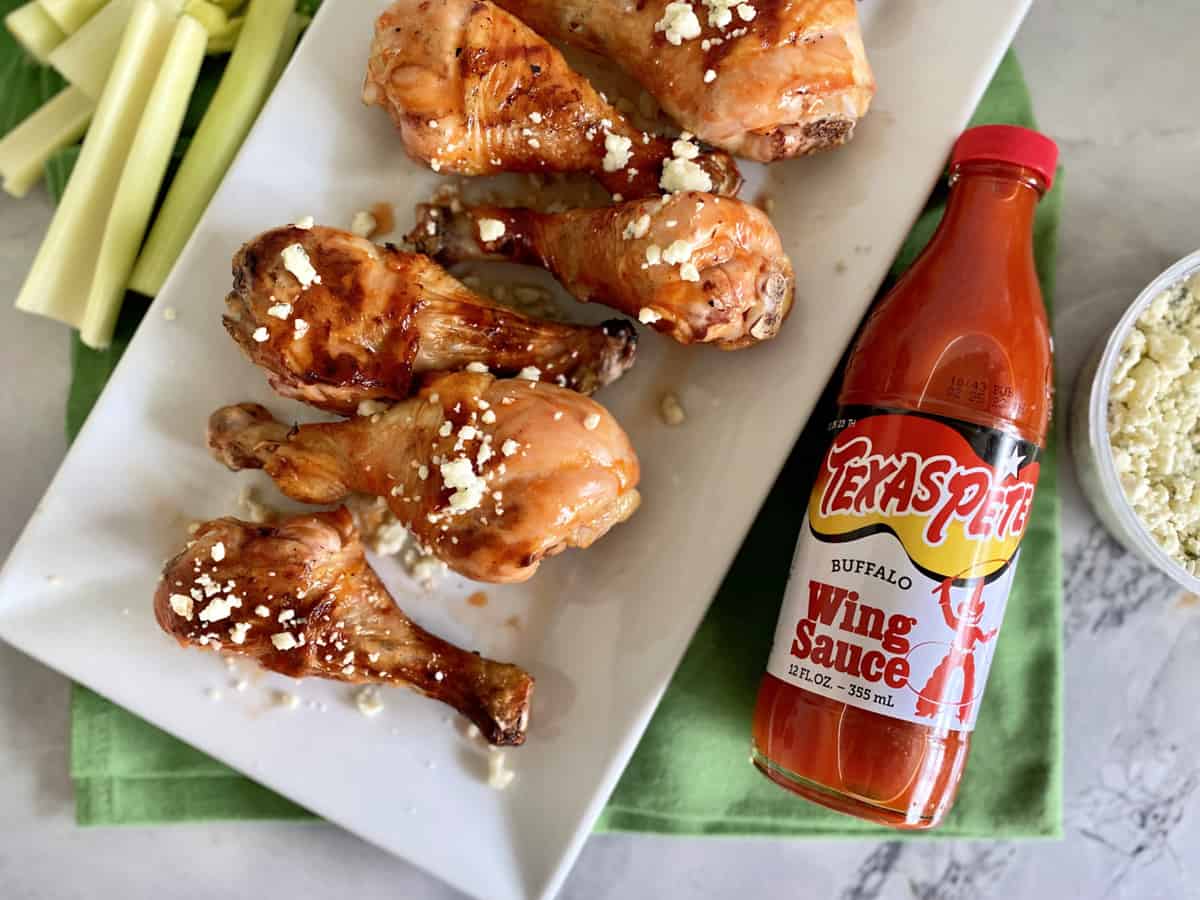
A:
963	335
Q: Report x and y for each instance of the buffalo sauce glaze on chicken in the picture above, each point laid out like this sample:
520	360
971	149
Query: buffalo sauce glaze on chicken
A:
380	320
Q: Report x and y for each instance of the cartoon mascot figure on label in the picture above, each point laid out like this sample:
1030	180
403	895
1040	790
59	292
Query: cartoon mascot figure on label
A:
961	654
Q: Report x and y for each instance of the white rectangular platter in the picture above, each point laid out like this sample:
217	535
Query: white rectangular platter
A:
601	630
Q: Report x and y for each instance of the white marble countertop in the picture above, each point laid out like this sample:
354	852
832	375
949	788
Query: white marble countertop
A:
1128	127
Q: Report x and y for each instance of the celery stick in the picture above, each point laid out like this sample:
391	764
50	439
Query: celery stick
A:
296	24
223	41
240	95
34	30
23	151
222	30
70	15
211	16
143	174
57	284
85	58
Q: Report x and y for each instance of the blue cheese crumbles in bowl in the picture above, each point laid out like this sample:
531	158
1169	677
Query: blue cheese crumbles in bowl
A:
1136	425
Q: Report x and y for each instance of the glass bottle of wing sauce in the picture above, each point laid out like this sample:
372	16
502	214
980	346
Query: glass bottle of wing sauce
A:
913	528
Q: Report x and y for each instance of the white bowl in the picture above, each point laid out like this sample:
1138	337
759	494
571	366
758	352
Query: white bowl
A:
1088	427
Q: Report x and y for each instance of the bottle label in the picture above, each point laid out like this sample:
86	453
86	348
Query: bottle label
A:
904	565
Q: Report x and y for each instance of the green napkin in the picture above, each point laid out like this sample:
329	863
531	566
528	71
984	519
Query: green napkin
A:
690	773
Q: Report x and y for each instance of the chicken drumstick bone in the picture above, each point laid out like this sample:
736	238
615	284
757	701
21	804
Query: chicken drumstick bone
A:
299	598
699	268
379	319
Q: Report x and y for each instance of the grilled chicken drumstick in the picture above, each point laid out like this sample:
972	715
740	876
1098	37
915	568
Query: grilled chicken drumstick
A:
491	475
788	77
698	268
378	318
298	597
474	91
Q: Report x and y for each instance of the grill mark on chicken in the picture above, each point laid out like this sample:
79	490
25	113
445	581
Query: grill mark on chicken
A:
381	320
344	622
474	91
796	64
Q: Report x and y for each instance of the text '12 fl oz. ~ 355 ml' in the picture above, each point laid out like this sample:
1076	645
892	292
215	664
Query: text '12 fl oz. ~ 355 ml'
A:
913	529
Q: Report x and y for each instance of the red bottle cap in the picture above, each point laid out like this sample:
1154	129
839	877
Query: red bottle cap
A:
1008	143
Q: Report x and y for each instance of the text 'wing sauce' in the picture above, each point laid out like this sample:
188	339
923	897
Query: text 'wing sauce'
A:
913	529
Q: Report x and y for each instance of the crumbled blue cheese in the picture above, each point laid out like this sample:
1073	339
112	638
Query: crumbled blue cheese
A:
677	253
592	421
211	587
653	255
261	335
218	551
284	640
295	260
680	173
219	608
262	610
468	487
181	605
1154	420
638	228
746	12
710	75
678	23
238	632
617	152
683	148
499	775
368	701
670	410
363	224
280	310
648	316
720	12
477	367
491	229
371	407
689	272
301	329
509	447
423	566
530	373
